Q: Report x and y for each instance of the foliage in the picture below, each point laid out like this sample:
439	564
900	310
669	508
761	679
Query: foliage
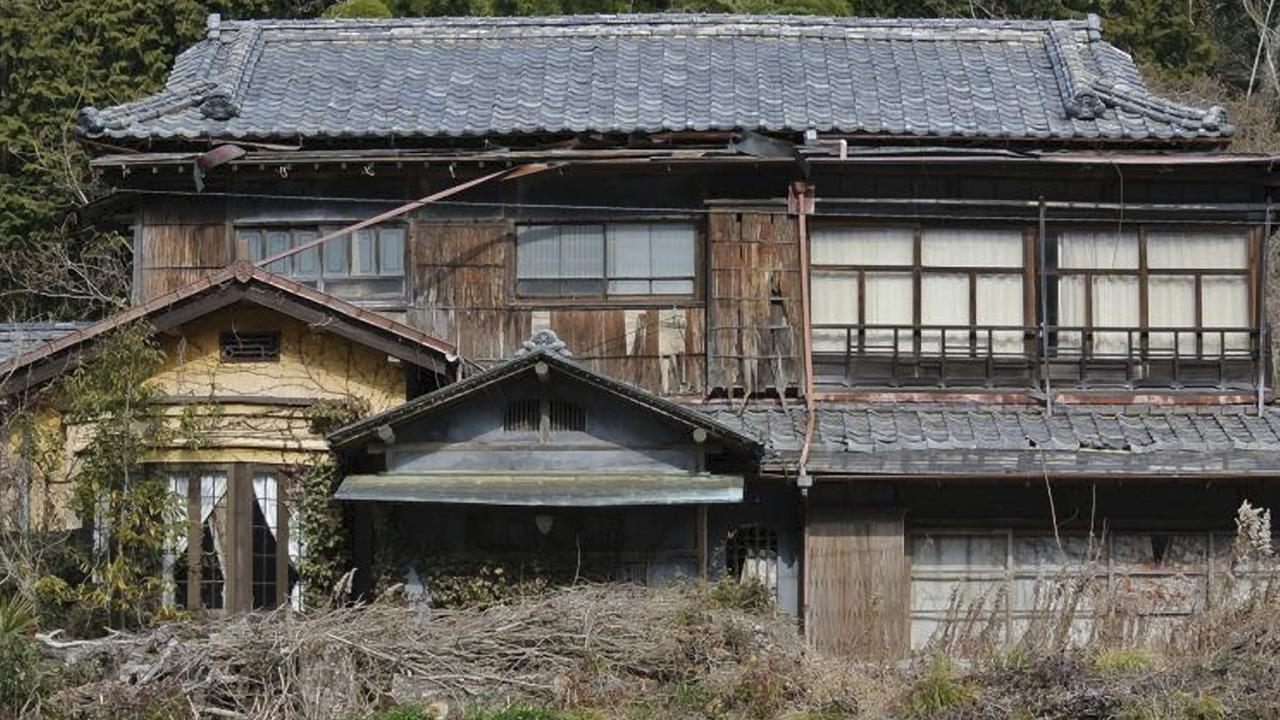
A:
23	674
748	594
358	9
323	530
411	711
938	691
1123	660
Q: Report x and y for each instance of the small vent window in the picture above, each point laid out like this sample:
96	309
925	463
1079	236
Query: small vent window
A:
521	416
250	347
567	416
526	416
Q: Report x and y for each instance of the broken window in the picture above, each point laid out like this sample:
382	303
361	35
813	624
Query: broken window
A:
616	259
367	265
751	555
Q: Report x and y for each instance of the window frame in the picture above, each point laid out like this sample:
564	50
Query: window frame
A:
1143	272
918	271
322	279
697	279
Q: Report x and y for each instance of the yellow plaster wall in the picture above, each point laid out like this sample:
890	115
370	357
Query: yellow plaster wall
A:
229	402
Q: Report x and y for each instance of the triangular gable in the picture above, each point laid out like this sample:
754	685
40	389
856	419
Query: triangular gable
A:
544	353
241	282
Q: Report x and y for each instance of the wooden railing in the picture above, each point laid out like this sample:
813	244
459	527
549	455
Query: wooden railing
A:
1019	356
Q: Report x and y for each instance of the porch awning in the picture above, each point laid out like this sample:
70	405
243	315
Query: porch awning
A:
544	489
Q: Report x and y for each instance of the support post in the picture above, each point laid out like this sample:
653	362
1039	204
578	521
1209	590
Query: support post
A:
703	564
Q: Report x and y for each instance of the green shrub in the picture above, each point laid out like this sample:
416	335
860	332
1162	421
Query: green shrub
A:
358	9
23	675
518	711
410	711
1121	661
938	691
1201	707
750	595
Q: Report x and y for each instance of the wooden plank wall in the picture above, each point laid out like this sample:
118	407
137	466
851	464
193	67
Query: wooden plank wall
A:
179	241
857	584
463	280
755	317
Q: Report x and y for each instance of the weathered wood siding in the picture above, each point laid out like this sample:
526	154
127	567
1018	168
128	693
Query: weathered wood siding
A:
176	242
755	320
463	292
857	584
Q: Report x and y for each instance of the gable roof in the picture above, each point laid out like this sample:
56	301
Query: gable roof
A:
450	77
545	348
17	338
239	282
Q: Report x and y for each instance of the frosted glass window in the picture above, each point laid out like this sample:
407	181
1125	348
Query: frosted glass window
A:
1000	303
1197	250
277	242
889	302
391	251
1225	302
362	260
365	265
616	259
835	302
307	262
1105	250
971	248
862	246
1172	304
337	256
944	301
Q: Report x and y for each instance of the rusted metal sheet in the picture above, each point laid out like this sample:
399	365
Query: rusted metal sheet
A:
755	318
857	584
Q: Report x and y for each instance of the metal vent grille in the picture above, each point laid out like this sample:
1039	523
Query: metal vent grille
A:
567	416
250	347
521	416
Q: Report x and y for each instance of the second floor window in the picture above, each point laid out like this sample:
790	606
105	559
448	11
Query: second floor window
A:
367	265
874	288
608	260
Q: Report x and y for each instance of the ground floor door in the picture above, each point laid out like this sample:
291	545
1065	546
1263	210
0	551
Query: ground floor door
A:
857	583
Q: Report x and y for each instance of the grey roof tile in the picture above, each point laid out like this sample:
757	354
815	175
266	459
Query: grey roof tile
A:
17	338
450	77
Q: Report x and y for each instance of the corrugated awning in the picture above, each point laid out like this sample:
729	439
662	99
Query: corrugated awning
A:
544	489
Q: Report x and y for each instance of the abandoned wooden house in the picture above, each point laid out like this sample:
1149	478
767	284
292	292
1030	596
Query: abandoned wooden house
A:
885	313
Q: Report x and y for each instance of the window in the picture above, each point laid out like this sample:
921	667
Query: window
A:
367	265
526	416
250	346
962	289
617	259
1112	285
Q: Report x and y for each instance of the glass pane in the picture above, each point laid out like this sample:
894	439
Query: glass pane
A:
581	288
835	302
1225	305
277	242
538	288
363	241
391	251
672	254
889	302
1172	304
944	301
1070	310
629	247
337	256
1101	250
1115	305
581	251
672	287
863	246
307	262
253	240
1198	249
1000	304
629	287
971	248
538	252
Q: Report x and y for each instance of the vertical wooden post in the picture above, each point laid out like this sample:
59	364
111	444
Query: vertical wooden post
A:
702	542
240	499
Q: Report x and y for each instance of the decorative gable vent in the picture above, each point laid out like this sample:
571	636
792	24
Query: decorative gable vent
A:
250	347
526	416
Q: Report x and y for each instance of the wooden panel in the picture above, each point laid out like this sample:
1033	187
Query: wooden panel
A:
857	584
755	308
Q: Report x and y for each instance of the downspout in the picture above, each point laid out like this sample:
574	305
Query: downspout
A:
1043	241
801	201
1263	343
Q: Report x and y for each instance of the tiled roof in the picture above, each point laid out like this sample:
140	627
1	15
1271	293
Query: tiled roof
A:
17	338
854	436
446	77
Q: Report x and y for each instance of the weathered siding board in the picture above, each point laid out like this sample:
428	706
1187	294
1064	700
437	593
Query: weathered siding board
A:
857	589
755	309
178	242
463	276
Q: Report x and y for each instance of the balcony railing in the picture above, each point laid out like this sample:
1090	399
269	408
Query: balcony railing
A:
951	356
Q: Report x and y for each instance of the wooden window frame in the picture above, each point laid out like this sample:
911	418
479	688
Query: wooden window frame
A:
1143	273
604	297
321	277
919	271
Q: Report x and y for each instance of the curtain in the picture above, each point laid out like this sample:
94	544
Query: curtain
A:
976	248
1093	250
266	491
834	296
1115	304
213	492
1171	303
1000	301
1198	249
889	302
862	246
1225	304
174	546
944	300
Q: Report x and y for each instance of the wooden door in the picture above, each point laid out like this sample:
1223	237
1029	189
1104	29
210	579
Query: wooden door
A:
857	584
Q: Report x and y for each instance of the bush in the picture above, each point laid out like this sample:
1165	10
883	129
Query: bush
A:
23	676
938	691
1128	660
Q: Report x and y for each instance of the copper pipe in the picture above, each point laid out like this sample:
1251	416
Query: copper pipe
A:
800	191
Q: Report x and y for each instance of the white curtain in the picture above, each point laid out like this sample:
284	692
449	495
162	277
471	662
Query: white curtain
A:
213	488
1000	301
1198	249
1114	297
1115	304
862	246
1225	304
982	248
177	513
1171	303
213	492
1092	250
834	295
266	491
944	300
889	302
